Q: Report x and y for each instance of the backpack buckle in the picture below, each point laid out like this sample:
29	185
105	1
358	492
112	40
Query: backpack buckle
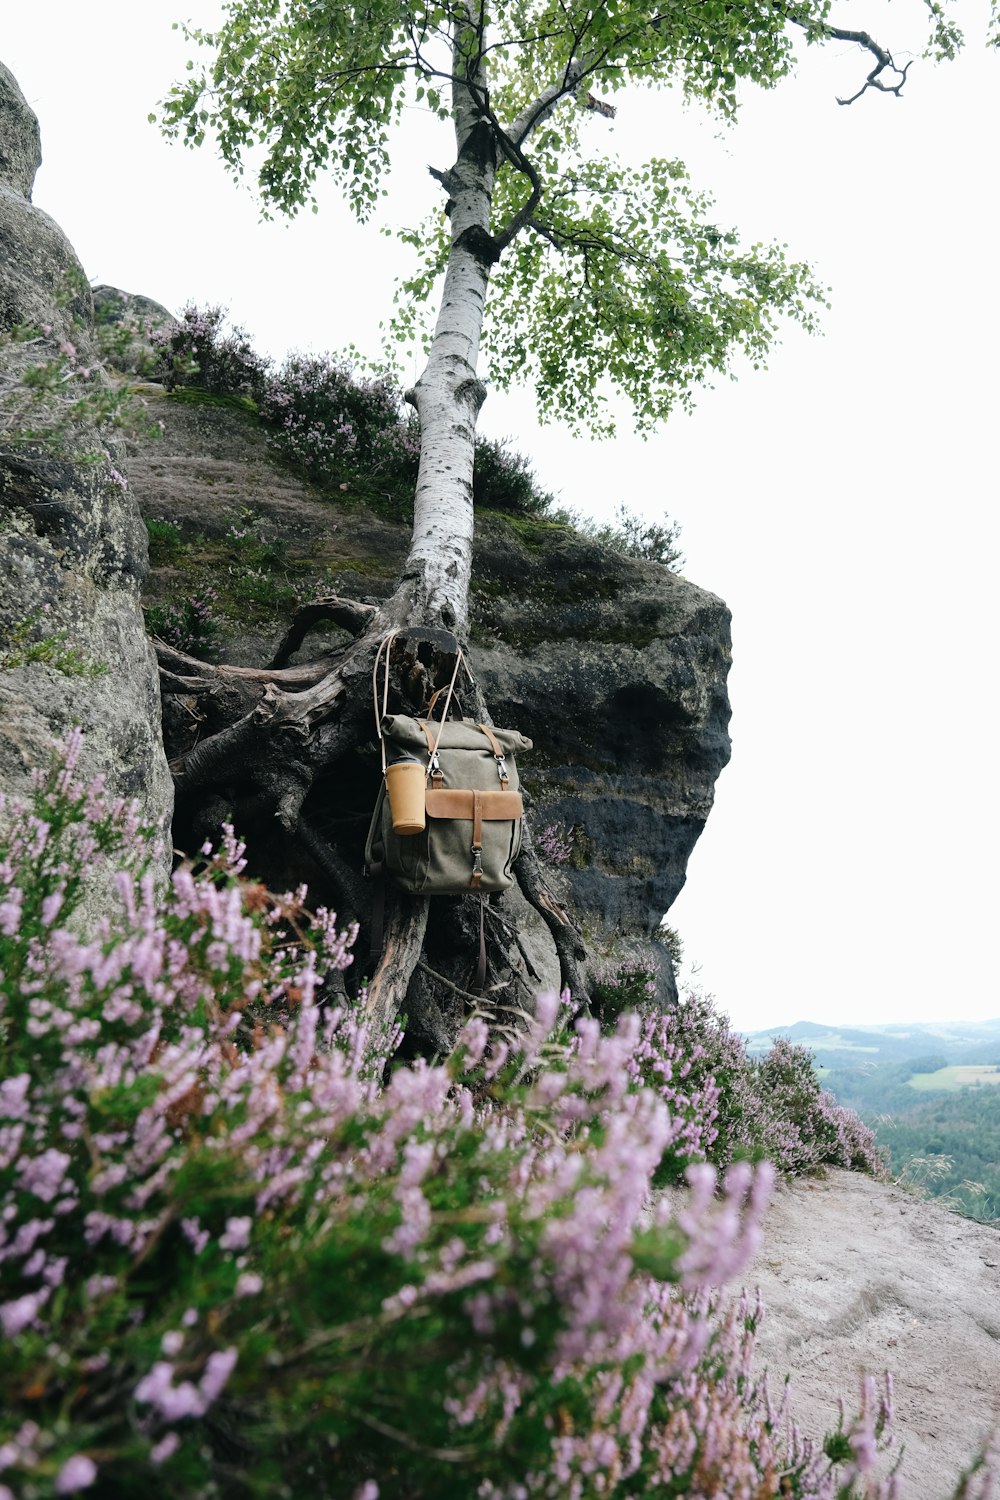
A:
502	768
477	865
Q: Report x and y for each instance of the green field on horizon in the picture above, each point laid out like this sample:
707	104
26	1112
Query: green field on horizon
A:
958	1076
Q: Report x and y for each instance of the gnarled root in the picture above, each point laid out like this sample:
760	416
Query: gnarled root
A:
568	942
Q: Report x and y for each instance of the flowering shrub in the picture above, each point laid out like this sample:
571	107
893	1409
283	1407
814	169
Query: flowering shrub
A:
190	625
814	1127
555	843
326	419
196	351
329	421
234	1261
253	543
620	988
734	1106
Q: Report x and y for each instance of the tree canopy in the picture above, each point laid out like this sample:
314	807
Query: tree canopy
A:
603	274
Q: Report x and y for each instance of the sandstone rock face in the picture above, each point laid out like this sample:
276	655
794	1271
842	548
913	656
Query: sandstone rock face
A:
73	554
617	669
114	305
133	318
20	141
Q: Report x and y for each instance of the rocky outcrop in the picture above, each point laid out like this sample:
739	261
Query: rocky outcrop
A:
617	670
112	305
20	139
132	320
73	552
614	666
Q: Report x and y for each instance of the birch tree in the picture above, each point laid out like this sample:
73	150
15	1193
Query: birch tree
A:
566	268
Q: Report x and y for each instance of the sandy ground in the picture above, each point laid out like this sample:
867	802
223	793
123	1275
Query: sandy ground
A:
859	1278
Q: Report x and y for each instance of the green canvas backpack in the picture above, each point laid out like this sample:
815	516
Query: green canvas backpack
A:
468	785
472	804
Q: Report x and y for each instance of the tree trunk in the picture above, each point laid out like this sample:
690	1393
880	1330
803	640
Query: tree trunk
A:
449	394
281	751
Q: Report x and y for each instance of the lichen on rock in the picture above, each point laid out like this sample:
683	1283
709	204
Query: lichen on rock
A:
73	649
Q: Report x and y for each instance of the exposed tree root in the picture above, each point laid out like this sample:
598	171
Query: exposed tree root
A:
405	925
569	943
286	752
352	616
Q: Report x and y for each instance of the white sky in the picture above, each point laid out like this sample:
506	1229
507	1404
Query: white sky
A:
843	503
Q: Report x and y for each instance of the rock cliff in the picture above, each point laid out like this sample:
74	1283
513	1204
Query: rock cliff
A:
73	554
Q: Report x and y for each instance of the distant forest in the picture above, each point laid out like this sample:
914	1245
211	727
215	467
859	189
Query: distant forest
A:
944	1140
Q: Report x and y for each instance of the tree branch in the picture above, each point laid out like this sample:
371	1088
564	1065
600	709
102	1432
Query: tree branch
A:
883	59
532	115
523	216
568	942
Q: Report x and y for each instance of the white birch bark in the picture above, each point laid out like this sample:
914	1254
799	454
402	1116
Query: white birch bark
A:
448	394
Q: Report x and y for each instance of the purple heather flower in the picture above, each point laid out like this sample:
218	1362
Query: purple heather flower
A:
164	1449
237	1234
77	1473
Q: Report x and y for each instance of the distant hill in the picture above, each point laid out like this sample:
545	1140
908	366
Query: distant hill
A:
836	1047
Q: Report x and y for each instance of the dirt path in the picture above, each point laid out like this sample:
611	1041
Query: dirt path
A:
859	1278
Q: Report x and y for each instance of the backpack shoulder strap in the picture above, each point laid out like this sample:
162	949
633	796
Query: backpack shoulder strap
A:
434	765
498	753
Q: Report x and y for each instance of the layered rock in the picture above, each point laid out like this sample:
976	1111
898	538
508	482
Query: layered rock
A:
73	552
617	669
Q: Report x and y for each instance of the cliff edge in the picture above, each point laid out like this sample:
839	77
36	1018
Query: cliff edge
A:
858	1278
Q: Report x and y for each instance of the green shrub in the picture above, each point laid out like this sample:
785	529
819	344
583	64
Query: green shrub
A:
29	641
191	625
504	480
632	536
165	539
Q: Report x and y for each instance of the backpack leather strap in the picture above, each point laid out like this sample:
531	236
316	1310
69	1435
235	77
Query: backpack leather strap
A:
480	980
498	753
384	645
377	874
494	742
477	841
434	765
433	703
